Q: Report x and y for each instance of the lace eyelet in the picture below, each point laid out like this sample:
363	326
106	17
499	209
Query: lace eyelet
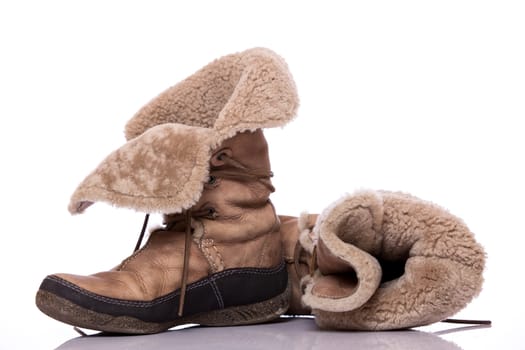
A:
212	180
219	158
212	213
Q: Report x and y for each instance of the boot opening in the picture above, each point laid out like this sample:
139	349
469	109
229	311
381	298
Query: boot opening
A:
391	270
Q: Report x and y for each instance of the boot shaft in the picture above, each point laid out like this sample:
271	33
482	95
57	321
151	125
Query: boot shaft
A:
242	228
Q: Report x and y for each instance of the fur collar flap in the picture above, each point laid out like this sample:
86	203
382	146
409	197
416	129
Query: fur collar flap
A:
162	170
235	93
164	165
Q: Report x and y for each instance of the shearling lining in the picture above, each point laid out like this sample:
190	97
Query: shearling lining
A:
443	263
163	166
162	170
238	92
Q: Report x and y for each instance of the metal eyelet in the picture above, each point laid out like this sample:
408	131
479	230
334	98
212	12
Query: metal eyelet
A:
212	180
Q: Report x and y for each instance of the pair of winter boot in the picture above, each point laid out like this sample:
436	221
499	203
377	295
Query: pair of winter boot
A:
374	260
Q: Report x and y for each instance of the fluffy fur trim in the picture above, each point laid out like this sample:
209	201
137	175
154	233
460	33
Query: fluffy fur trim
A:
307	237
163	170
443	263
238	92
164	165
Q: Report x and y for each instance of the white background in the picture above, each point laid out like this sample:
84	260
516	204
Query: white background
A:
419	96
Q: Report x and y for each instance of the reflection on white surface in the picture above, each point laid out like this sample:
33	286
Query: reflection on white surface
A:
461	329
286	334
422	97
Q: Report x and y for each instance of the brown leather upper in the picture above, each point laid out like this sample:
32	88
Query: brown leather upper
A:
290	237
242	230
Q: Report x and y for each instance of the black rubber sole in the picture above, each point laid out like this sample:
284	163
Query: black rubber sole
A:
65	311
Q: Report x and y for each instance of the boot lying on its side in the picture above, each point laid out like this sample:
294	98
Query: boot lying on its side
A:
218	259
380	261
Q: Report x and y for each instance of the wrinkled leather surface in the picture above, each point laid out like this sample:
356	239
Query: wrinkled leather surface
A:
153	271
289	237
245	231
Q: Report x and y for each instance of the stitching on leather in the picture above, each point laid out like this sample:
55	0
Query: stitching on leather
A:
141	282
221	260
124	302
134	255
205	249
263	250
195	285
217	294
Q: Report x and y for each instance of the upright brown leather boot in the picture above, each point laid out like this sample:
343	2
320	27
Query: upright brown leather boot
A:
379	260
218	258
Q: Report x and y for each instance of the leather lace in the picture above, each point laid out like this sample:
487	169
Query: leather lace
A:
312	263
237	172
